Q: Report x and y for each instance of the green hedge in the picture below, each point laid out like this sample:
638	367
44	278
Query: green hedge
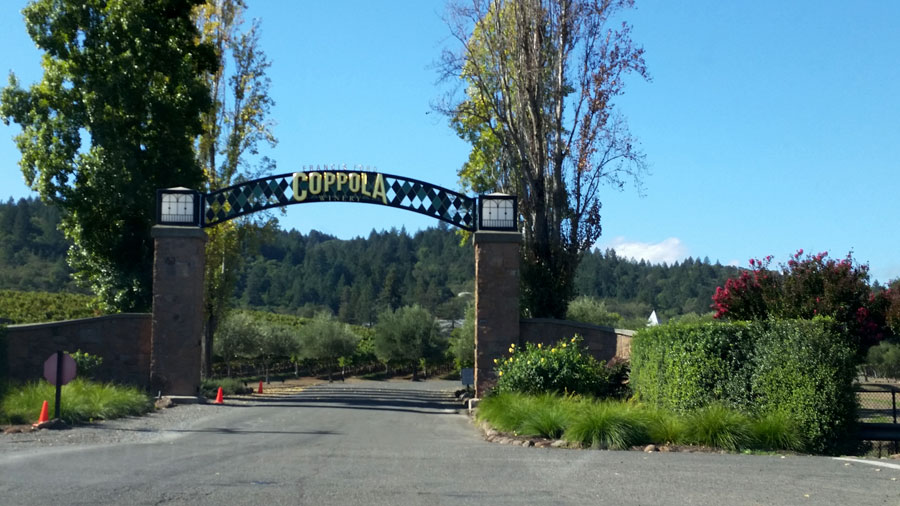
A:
806	369
686	366
802	368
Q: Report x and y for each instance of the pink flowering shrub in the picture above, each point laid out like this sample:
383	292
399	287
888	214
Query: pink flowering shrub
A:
806	287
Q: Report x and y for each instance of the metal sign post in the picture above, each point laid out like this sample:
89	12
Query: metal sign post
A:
59	369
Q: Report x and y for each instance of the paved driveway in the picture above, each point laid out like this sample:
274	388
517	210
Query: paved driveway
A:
403	443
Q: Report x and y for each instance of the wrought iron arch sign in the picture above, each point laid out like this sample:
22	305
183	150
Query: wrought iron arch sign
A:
181	206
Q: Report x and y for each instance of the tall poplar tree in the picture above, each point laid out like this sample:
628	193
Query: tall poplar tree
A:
539	80
234	128
112	120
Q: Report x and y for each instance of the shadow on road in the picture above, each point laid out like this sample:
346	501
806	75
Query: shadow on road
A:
362	398
218	430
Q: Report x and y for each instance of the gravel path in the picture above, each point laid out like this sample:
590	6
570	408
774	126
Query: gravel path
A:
121	430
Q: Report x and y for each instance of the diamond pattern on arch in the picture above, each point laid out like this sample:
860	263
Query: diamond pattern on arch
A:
400	192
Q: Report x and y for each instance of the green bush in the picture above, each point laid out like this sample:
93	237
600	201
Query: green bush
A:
560	368
86	364
82	401
802	368
590	310
884	360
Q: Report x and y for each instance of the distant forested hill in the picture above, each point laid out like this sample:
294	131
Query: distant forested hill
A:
32	250
636	288
294	272
299	273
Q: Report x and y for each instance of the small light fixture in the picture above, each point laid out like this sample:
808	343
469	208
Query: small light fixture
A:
178	206
498	211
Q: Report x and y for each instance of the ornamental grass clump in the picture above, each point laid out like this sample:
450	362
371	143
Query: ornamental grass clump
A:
609	425
719	427
82	401
563	368
549	416
665	427
506	411
776	431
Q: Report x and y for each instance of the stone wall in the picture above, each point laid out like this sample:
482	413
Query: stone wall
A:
604	343
123	340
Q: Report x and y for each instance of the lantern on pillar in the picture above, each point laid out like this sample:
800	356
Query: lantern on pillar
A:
498	211
178	206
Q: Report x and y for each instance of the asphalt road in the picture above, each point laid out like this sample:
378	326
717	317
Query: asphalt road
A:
406	444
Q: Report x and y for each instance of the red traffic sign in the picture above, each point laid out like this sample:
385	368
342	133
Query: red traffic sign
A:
67	371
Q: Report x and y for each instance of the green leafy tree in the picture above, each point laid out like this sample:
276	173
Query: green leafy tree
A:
809	286
540	79
112	120
277	342
237	338
407	336
326	339
883	360
462	340
234	128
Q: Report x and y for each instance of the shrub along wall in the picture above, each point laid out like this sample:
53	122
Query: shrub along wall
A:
801	367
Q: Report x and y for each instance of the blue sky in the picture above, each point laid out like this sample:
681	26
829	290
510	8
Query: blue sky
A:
769	126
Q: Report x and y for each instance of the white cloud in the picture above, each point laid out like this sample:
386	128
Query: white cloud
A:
669	250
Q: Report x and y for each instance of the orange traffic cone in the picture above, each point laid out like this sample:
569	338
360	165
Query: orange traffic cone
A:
260	387
45	415
219	399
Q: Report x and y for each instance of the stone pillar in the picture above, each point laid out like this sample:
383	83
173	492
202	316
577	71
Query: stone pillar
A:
178	269
496	302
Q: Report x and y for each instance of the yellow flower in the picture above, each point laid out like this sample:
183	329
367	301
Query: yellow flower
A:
542	360
539	345
501	373
513	345
553	350
573	339
564	345
496	361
